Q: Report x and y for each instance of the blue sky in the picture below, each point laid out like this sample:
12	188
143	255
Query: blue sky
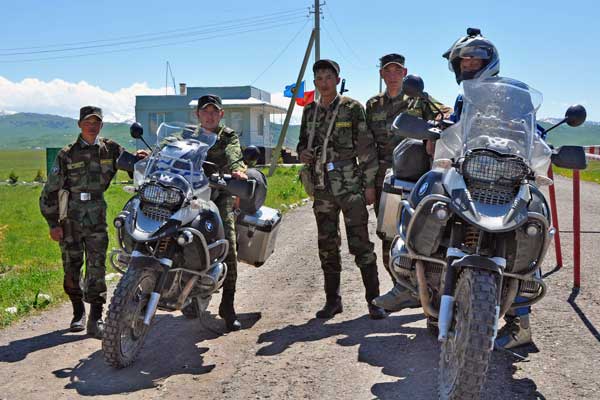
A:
551	45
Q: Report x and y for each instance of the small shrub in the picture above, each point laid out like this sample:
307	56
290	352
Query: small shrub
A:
13	178
39	178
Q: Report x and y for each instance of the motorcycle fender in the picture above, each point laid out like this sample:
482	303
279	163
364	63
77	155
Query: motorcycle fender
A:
495	264
143	261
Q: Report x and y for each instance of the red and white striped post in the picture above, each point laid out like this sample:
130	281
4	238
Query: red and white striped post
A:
554	211
576	231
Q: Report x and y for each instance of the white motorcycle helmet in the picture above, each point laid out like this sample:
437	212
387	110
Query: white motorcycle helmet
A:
476	46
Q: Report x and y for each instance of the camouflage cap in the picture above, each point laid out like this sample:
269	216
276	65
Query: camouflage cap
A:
392	58
210	99
327	64
90	111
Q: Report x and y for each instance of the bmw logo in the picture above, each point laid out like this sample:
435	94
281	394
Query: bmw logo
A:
208	226
423	189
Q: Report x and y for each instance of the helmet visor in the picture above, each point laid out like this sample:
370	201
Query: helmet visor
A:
474	52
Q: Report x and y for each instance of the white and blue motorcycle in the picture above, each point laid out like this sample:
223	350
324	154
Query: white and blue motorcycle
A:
474	230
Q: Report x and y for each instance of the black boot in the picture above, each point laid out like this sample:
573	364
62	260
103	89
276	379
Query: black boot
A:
333	302
371	282
95	325
78	321
227	312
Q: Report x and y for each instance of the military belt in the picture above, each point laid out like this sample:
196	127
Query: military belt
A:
87	196
341	163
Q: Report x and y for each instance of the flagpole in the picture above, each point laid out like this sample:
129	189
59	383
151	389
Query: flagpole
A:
277	150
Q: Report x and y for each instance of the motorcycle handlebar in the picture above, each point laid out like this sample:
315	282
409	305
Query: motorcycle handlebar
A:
244	189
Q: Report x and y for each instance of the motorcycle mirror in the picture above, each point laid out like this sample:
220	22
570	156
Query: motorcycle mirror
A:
406	125
251	154
413	86
136	130
570	157
575	115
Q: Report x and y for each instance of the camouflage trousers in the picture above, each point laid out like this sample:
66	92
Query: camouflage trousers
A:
91	241
386	244
225	204
326	208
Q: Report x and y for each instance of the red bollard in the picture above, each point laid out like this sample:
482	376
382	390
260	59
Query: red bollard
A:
554	211
576	231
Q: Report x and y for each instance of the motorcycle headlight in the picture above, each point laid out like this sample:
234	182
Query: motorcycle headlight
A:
158	194
491	168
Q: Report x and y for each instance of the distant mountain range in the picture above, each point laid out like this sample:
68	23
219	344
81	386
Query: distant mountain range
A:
30	130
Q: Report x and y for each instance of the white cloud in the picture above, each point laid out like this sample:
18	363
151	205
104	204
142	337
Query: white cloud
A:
64	98
278	99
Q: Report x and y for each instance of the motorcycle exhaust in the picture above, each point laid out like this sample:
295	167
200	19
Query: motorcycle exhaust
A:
151	307
186	291
423	293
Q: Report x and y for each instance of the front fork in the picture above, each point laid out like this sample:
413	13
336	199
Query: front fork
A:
152	306
447	301
165	248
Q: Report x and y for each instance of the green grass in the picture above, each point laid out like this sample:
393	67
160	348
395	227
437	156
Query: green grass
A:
25	163
30	261
591	173
284	187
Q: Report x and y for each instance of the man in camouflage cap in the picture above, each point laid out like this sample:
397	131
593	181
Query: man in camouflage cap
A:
72	202
381	110
345	163
226	154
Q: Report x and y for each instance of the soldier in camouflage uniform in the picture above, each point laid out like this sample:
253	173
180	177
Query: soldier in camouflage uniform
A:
381	111
345	165
226	154
81	174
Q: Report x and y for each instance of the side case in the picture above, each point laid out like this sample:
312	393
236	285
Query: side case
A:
256	235
388	216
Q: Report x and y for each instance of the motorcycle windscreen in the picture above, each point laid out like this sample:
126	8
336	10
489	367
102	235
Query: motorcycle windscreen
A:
498	114
178	157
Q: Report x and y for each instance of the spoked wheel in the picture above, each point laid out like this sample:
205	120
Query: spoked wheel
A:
464	357
125	331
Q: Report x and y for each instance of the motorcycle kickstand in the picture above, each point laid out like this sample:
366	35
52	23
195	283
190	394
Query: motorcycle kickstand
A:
511	353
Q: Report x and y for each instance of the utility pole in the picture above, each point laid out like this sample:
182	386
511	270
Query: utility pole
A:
317	30
277	150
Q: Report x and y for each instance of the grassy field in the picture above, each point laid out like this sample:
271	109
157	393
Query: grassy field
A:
30	260
591	174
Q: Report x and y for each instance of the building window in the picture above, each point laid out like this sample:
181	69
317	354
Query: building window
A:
260	124
156	119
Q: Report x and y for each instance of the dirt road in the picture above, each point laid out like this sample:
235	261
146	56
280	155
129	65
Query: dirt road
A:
284	353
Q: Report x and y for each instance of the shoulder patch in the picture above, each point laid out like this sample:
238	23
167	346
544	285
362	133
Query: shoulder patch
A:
55	170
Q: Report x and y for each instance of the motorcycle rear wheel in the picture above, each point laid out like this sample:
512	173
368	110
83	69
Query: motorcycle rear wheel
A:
124	331
464	357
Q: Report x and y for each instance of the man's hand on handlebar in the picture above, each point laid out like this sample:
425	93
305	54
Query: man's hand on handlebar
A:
239	175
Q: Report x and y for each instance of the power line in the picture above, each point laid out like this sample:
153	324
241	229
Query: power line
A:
273	26
337	27
216	24
352	62
280	53
262	21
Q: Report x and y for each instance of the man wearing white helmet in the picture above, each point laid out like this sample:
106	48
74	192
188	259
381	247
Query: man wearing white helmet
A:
475	57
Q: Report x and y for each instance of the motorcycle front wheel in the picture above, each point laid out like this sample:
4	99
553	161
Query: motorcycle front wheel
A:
464	357
124	330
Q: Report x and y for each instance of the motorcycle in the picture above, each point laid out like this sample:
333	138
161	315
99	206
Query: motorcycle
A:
473	232
171	237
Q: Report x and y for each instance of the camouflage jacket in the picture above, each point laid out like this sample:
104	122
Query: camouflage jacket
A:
383	109
81	168
226	152
349	138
